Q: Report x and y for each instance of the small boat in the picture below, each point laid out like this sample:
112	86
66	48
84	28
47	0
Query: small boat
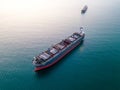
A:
58	51
84	9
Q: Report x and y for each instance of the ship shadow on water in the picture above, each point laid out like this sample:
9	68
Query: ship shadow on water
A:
47	71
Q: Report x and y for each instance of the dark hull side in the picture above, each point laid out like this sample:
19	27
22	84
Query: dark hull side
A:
60	55
83	11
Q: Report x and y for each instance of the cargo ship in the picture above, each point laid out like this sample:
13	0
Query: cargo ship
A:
56	52
84	9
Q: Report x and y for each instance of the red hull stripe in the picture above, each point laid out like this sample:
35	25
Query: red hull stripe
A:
40	68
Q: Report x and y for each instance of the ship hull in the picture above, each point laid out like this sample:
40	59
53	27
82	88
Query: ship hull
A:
60	55
84	10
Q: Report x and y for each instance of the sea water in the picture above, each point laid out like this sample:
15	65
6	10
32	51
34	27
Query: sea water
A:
30	27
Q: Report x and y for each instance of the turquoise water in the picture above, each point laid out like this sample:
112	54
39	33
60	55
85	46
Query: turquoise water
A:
27	31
